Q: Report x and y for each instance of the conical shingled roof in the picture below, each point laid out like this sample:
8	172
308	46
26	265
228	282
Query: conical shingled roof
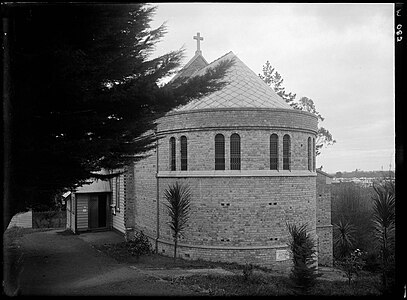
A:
243	89
196	63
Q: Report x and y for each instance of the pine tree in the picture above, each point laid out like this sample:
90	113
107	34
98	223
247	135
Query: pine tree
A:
85	93
272	78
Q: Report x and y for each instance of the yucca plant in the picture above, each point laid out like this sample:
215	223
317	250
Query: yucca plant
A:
384	226
344	239
179	198
302	246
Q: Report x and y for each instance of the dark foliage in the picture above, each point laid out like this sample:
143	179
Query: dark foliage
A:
140	245
384	201
49	219
351	204
302	246
344	239
82	93
247	272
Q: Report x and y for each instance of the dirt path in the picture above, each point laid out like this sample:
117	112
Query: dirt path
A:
55	264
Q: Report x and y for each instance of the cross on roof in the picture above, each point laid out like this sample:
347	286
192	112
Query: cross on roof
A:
198	39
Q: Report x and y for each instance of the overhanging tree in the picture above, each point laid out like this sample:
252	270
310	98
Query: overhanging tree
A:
83	93
272	78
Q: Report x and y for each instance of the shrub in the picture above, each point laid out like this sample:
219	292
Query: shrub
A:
247	271
372	263
352	264
140	245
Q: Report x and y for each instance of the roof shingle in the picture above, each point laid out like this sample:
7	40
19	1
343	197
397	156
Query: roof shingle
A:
243	89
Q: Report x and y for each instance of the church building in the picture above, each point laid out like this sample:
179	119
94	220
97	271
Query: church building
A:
249	161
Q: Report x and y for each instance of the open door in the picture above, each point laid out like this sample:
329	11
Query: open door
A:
97	211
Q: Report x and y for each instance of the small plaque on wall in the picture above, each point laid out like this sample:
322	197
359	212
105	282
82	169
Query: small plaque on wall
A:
282	255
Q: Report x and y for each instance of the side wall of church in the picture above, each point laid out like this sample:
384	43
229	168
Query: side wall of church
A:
324	226
145	194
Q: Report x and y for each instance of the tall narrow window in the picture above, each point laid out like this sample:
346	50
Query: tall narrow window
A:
274	152
309	154
184	153
172	154
286	152
235	152
314	153
219	152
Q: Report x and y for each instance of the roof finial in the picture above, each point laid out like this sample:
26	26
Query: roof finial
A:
198	39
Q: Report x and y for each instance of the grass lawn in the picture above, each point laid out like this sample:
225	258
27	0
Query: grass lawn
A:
262	282
271	285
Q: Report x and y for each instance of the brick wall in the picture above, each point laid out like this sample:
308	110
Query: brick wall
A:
233	218
324	226
145	194
239	213
254	144
291	119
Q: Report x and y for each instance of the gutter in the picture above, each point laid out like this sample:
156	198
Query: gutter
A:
73	198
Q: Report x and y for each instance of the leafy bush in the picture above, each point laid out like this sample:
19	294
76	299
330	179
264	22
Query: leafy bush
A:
140	245
247	271
352	264
372	263
48	219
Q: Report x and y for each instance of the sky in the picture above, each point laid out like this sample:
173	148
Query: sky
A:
339	55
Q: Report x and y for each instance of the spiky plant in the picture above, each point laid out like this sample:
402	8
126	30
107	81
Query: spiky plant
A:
384	226
179	198
344	239
302	246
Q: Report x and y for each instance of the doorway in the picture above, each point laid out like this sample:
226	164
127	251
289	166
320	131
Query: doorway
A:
98	211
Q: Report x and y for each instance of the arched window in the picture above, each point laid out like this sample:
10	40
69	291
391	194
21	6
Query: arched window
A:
235	152
274	152
219	152
286	152
184	153
314	153
309	154
172	154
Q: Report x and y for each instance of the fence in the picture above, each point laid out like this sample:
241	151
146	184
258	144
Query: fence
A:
23	219
48	219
